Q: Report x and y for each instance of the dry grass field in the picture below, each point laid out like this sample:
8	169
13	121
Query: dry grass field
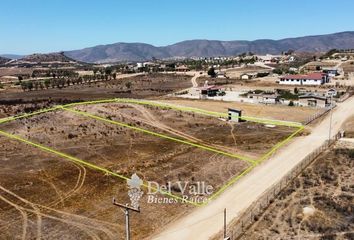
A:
297	114
46	195
348	127
15	71
317	205
348	67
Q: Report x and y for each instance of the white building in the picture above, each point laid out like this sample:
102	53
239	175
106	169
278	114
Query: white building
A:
310	79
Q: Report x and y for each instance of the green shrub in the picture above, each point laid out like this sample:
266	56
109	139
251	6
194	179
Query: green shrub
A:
351	153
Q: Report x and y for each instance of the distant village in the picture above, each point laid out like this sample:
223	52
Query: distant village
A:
290	78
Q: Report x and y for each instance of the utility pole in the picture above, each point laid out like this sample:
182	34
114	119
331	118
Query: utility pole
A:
126	212
225	223
330	121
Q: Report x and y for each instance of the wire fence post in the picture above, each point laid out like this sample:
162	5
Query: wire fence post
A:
247	218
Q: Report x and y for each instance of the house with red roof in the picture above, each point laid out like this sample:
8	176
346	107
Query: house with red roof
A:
210	91
316	78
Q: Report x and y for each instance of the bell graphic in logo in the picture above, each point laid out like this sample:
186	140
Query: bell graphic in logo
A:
135	193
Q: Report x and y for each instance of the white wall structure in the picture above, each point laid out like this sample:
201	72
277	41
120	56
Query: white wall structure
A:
310	79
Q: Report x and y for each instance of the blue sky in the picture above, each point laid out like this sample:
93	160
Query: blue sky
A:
29	26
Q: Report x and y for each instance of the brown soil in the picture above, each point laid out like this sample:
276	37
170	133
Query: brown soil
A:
15	71
348	128
326	187
43	179
240	138
297	114
148	85
348	67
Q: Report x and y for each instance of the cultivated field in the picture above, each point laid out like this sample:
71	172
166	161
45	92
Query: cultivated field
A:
15	101
146	85
44	194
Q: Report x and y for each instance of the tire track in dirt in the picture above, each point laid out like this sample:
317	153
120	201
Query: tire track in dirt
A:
232	132
23	214
36	211
77	187
90	223
152	121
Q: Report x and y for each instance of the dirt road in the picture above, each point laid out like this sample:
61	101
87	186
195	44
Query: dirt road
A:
204	222
194	80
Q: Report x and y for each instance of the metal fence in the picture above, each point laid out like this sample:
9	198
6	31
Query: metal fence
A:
239	226
318	115
321	113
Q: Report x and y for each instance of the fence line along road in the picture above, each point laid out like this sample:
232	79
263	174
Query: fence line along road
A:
237	228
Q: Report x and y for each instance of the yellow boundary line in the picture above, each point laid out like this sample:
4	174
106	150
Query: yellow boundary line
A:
278	145
188	109
259	160
144	102
87	164
161	135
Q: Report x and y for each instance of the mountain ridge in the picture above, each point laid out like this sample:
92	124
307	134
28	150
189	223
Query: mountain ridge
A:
122	51
135	51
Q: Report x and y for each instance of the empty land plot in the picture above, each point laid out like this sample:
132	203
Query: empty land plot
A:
248	139
316	205
81	196
297	114
122	150
348	67
117	149
46	196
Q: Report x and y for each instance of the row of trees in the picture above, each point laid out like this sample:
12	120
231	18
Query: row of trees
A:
62	82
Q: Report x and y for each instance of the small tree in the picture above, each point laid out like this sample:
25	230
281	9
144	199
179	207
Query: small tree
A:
108	71
291	104
211	72
46	83
23	86
277	71
30	85
36	85
128	85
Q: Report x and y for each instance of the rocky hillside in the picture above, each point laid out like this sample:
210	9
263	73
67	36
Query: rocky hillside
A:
49	57
4	60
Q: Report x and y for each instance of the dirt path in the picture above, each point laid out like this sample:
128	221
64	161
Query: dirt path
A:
206	221
150	119
194	80
89	226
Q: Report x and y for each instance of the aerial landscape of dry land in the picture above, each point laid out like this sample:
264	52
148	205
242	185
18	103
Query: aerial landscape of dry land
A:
119	150
165	120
